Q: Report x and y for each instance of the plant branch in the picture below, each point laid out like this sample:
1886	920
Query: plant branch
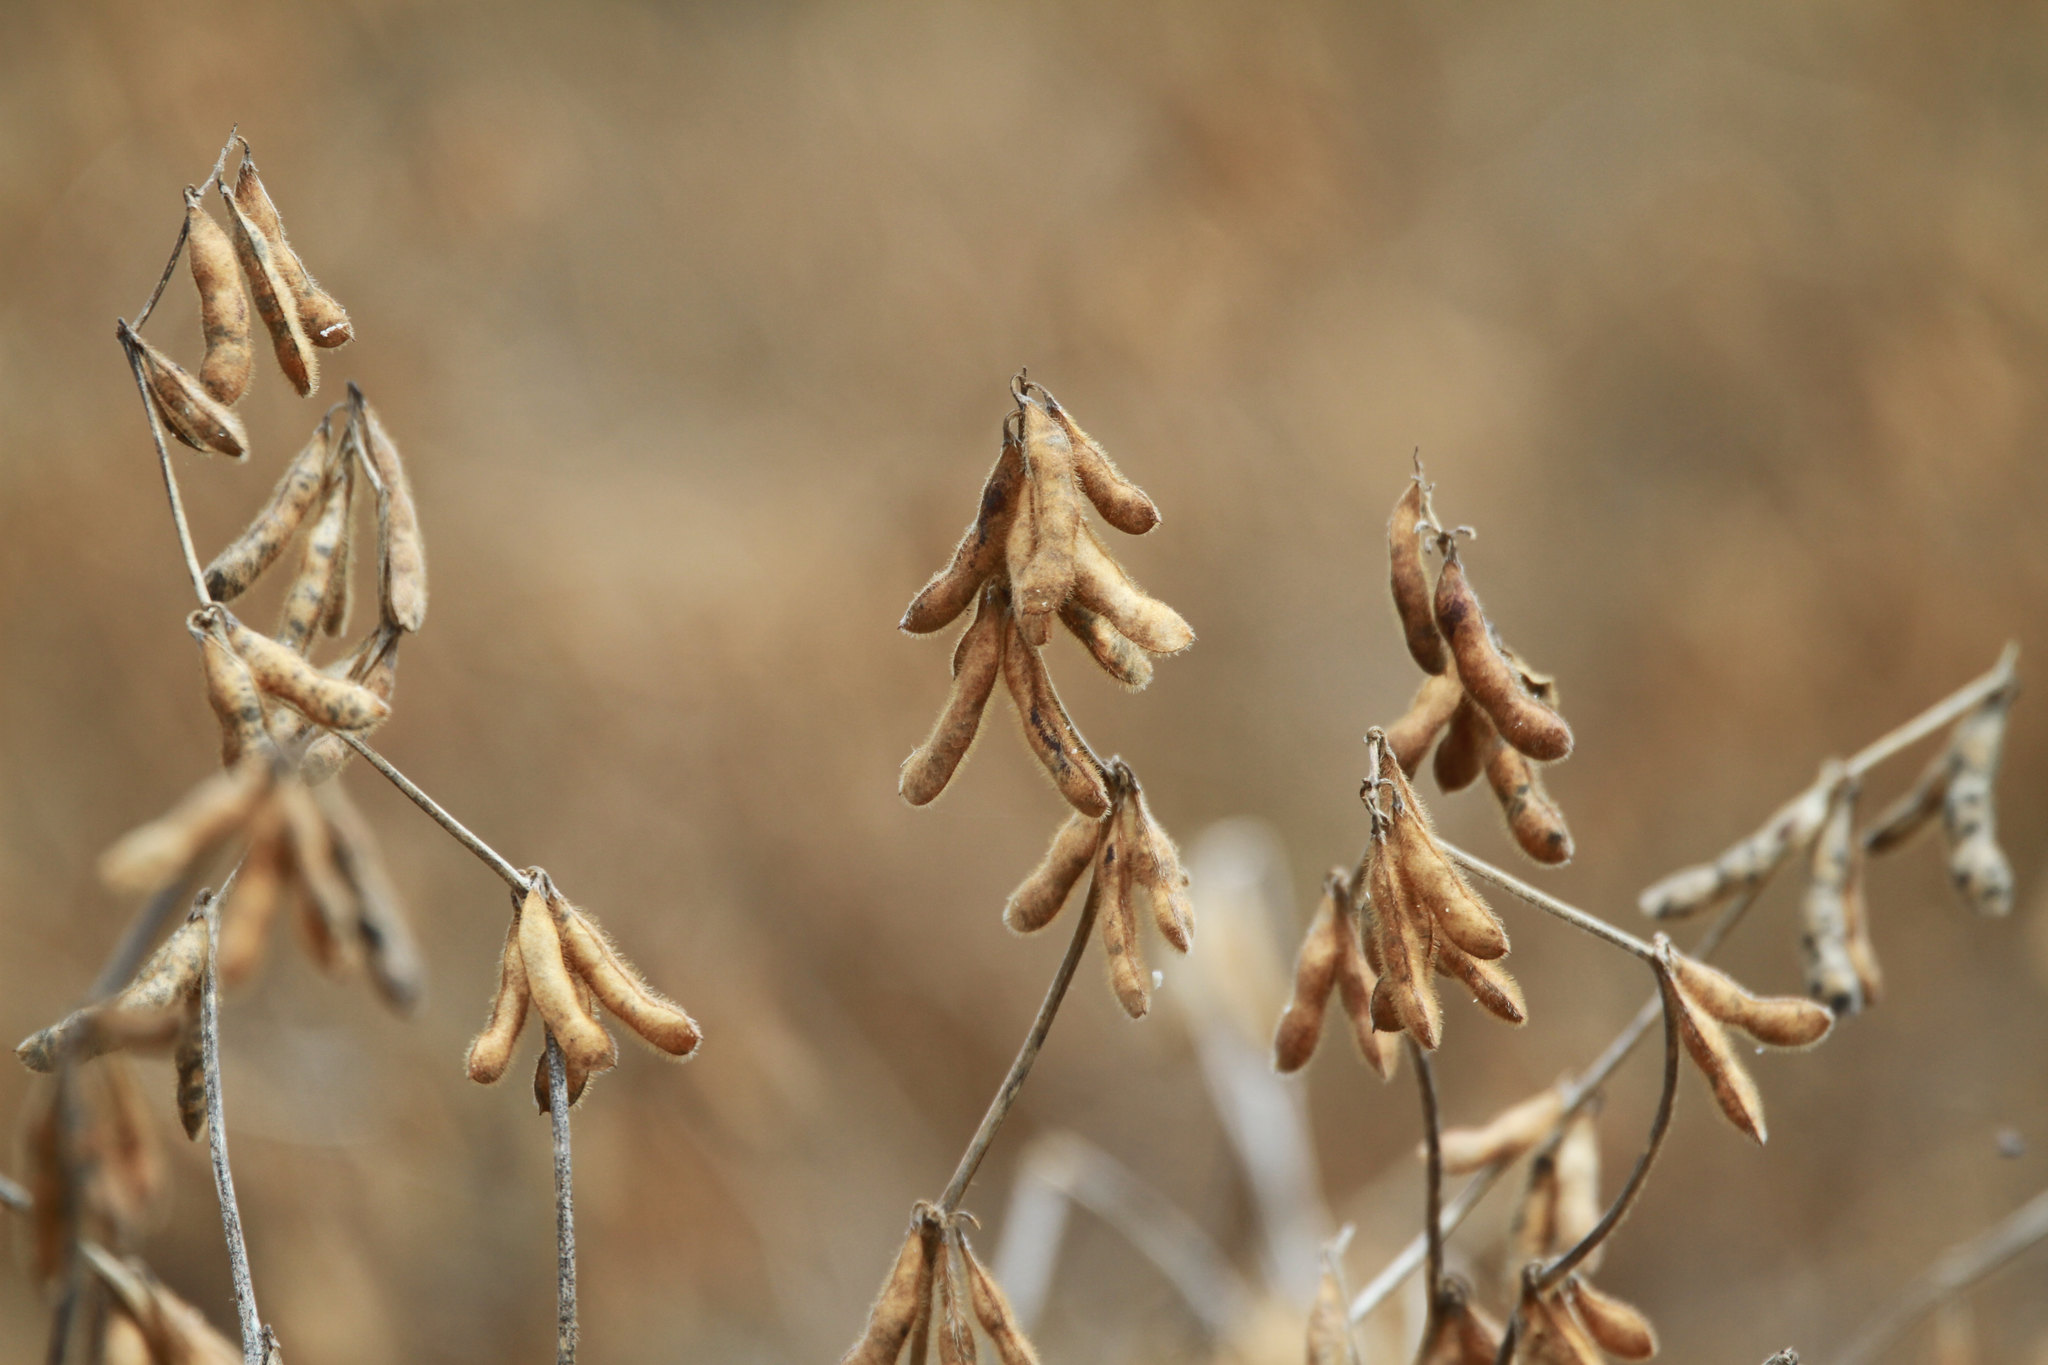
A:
1957	1269
1433	1183
1006	1094
132	345
1551	905
490	857
565	1208
217	1140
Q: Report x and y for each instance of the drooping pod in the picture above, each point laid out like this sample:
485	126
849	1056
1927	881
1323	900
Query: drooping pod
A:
977	662
659	1021
1831	976
1409	580
151	855
1101	585
1118	913
1551	1335
1122	503
905	1295
1749	861
319	588
1119	658
1156	871
1706	1042
188	1062
193	415
1404	998
1533	817
324	321
252	903
1489	678
575	1075
1329	1325
1431	709
253	551
396	968
1435	887
1786	1021
1507	1135
1048	731
992	1309
223	304
554	990
1315	976
374	667
145	1010
1492	986
1618	1328
1356	981
1464	1334
1042	893
981	548
491	1051
232	693
1462	755
1976	864
333	702
1578	1183
1045	580
401	550
273	298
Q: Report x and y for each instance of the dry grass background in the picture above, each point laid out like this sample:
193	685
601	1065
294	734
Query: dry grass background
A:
1724	324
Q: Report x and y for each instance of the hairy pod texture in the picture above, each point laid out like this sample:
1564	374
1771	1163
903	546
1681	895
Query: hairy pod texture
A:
1775	1021
1409	581
223	305
977	663
320	318
272	296
1431	709
992	1310
193	415
264	539
1707	1043
1489	678
1534	819
905	1296
1620	1329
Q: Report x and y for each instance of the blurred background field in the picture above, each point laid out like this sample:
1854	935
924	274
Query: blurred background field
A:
1724	326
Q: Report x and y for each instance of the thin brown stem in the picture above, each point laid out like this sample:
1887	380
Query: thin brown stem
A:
1006	1094
217	1142
132	345
1956	1270
1432	1184
1549	1277
220	163
565	1208
490	857
1551	905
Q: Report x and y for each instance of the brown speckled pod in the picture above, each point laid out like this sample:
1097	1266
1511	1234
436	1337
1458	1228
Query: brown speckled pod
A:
1489	677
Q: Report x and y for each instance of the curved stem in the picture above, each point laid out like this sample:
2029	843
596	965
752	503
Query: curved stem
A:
565	1208
1550	1275
1006	1094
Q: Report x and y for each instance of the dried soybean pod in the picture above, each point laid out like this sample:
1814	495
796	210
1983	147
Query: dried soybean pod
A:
380	924
1462	755
618	987
1040	896
1476	1335
1047	579
1824	925
333	702
1490	983
575	1078
975	666
1408	944
188	1059
903	1298
956	1333
1684	892
1707	1043
253	551
322	574
192	414
341	581
324	321
1102	586
1533	818
1410	583
223	306
1118	657
252	902
1776	1021
1428	713
1355	982
1616	1327
401	550
141	1014
1315	973
1976	864
1578	1182
1119	913
274	302
231	692
1018	548
1489	678
1156	867
553	988
1047	729
148	856
491	1051
375	667
1434	887
1513	1131
1552	1336
1862	951
1329	1327
981	548
992	1309
1122	503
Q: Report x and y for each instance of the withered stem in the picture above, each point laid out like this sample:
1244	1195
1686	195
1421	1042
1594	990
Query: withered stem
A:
490	857
1958	1268
163	455
217	1143
1549	1277
1006	1095
1433	1184
565	1208
1549	904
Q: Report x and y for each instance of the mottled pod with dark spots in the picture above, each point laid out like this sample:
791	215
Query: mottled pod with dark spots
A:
1533	817
253	551
1048	731
1831	976
284	674
273	298
1976	864
981	548
977	662
193	415
1491	680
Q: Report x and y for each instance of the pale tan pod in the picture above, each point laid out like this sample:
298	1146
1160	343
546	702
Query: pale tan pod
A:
554	991
1102	586
375	667
1682	893
1775	1021
992	1309
1578	1183
1409	738
1707	1043
251	904
273	298
1533	817
1315	973
1047	730
282	673
491	1051
1467	741
1532	1235
322	573
231	692
1489	678
1750	860
1619	1328
1976	864
1434	887
330	901
1409	579
1356	980
1329	1326
981	548
193	415
1122	503
188	1059
396	968
903	1299
977	662
1047	579
122	1341
1020	546
223	304
277	522
1157	872
951	1299
1507	1135
1042	893
150	855
401	549
1122	660
619	988
575	1077
1119	914
1552	1336
1492	985
323	320
1824	912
